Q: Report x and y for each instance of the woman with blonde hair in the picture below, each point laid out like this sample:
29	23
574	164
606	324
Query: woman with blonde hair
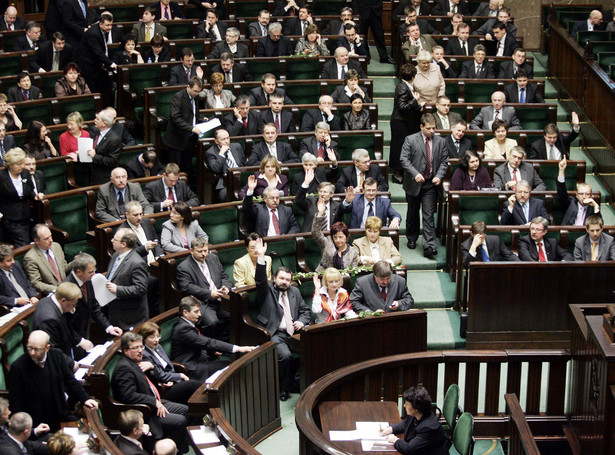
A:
269	175
216	97
373	247
428	82
331	301
62	444
69	139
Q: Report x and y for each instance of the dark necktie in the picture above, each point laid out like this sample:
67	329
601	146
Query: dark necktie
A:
170	196
276	222
120	203
277	123
25	94
227	77
428	158
84	291
167	14
464	47
370	211
383	293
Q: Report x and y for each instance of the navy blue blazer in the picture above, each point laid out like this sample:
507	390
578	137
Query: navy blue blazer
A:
383	210
8	293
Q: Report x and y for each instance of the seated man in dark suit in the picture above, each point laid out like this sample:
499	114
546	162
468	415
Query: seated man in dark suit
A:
202	276
270	218
321	174
508	70
167	10
351	40
7	142
450	7
484	248
336	68
521	91
321	114
445	119
595	245
16	440
179	73
411	19
132	428
106	149
503	43
336	26
506	175
503	16
276	114
361	170
189	347
321	145
462	44
212	29
381	290
296	25
274	44
489	9
232	72
368	204
309	203
593	22
269	146
23	91
52	55
522	208
477	68
31	40
15	289
260	96
169	189
144	165
287	7
230	45
555	145
456	144
131	386
50	316
11	21
157	52
259	27
88	309
220	157
576	208
537	247
282	312
113	196
243	121
39	381
453	27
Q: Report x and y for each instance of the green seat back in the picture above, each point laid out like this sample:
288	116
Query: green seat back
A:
10	66
14	344
248	9
220	225
594	35
329	7
110	368
349	143
462	436
478	93
85	106
452	90
163	103
125	157
572	238
230	255
37	111
505	236
313	255
82	173
190	13
549	172
449	407
566	17
124	13
304	93
283	253
533	118
71	215
178	30
166	328
3	385
198	49
606	58
48	84
142	77
302	68
602	46
258	68
55	176
478	208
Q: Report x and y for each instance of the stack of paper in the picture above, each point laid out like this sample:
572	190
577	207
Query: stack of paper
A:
95	353
369	435
204	435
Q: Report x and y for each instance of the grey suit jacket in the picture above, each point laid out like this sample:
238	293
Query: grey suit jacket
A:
583	248
501	175
138	29
207	95
107	208
366	294
192	281
427	43
484	119
171	239
130	306
39	269
453	118
413	160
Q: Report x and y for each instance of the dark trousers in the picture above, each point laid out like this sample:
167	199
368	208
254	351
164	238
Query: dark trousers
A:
181	391
428	198
400	129
215	322
173	425
16	233
372	18
285	365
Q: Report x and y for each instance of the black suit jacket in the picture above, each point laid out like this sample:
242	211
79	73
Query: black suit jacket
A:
538	149
43	57
73	21
464	144
314	116
9	447
333	27
510	44
257	97
86	311
39	179
179	128
260	214
321	174
164	56
454	48
49	318
570	205
529	252
202	33
361	49
154	192
190	348
15	95
12	206
581	26
150	234
236	128
192	281
26	393
177	75
242	50
532	94
283	149
428	430
176	11
94	62
287	122
240	73
468	70
496	250
22	44
130	306
265	47
136	171
107	157
270	312
441	7
309	206
349	178
507	70
127	447
517	218
292	27
19	23
217	163
310	145
7	144
329	69
8	294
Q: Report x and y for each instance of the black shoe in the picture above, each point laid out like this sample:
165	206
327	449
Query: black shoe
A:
412	244
283	396
388	60
430	252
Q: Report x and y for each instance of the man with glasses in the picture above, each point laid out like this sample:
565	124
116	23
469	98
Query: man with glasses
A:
506	175
362	169
537	247
578	207
522	208
40	380
271	218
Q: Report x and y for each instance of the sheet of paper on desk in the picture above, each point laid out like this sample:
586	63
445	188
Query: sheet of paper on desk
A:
217	450
204	435
21	309
376	446
213	377
95	353
351	435
80	373
371	430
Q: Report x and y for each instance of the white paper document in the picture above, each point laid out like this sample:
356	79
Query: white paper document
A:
80	439
350	435
209	125
376	446
95	353
371	430
215	376
217	450
102	294
80	373
83	145
204	435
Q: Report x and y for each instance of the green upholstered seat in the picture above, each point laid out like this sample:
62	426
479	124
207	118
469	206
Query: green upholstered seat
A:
606	58
55	176
533	118
34	110
283	253
307	93
228	257
463	440
549	172
178	30
349	143
166	328
10	65
86	106
70	214
48	83
478	208
220	225
302	68
594	35
259	67
478	92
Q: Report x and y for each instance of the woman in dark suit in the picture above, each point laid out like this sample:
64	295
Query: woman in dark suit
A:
357	118
343	93
422	431
37	141
157	366
405	119
17	195
128	55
